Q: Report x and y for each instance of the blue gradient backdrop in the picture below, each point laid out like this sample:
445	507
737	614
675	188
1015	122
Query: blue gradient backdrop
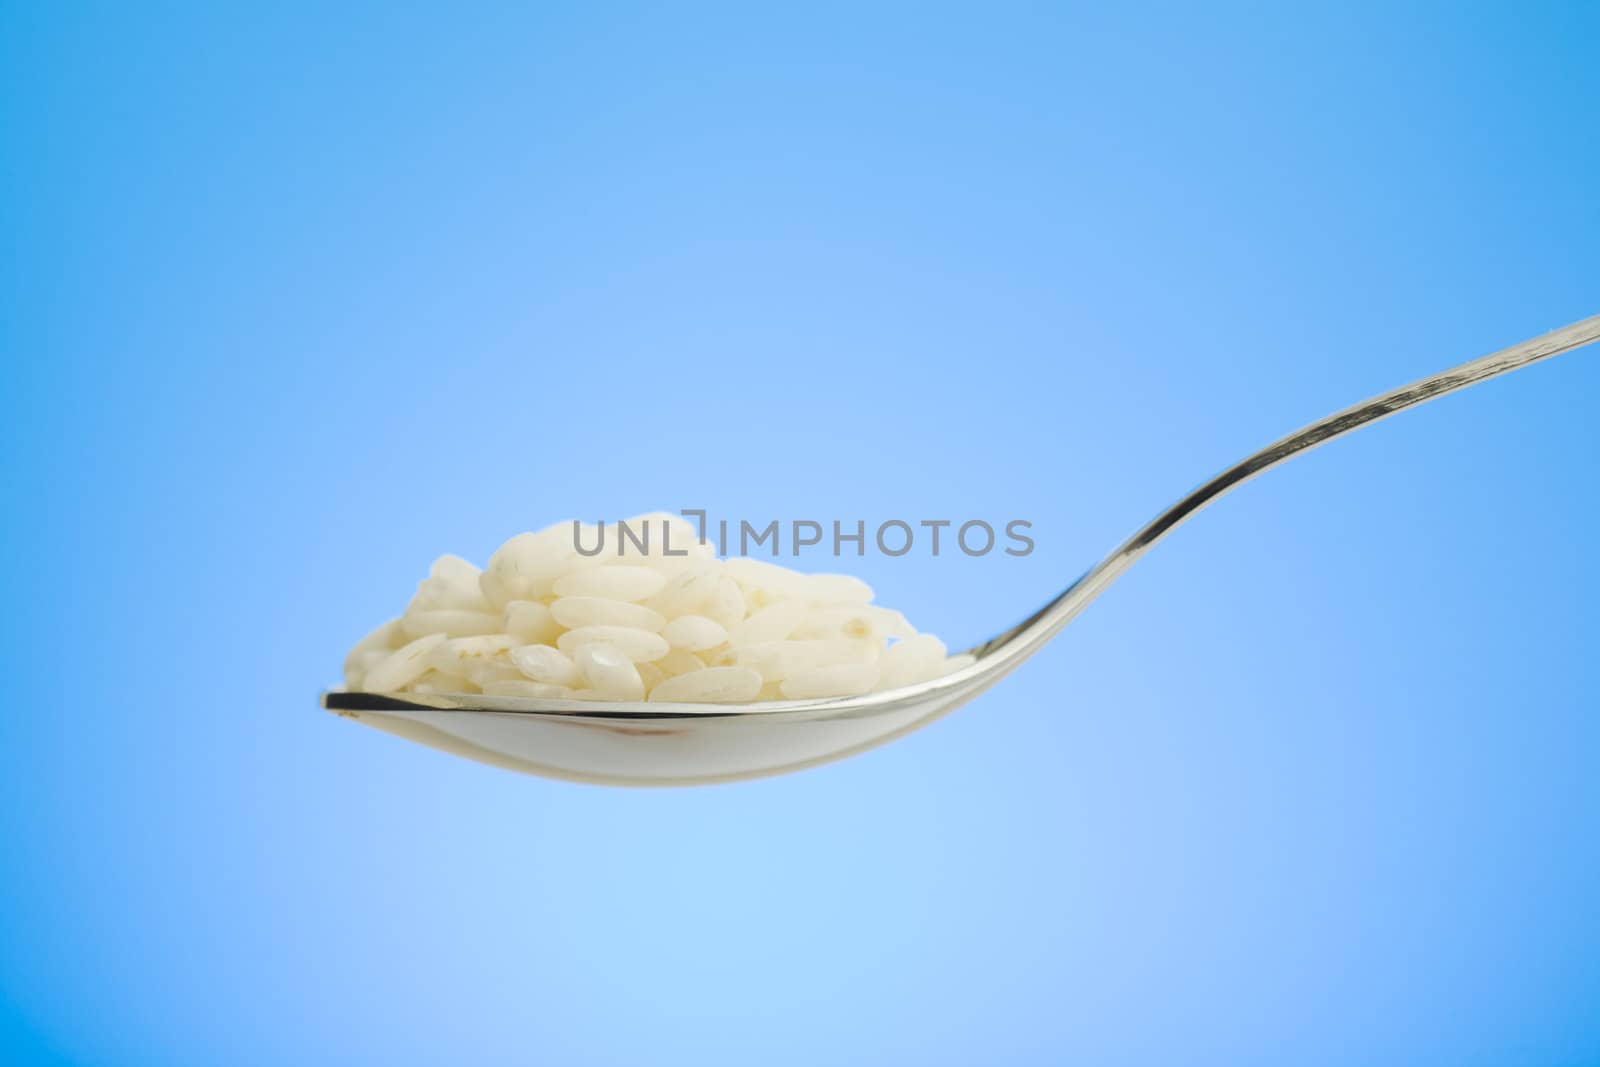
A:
295	300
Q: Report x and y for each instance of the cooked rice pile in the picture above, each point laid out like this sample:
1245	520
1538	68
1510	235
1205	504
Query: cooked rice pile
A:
544	621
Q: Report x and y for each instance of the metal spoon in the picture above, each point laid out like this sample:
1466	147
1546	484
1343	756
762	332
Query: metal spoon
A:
683	744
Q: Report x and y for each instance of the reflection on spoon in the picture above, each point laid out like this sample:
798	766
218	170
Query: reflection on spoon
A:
684	744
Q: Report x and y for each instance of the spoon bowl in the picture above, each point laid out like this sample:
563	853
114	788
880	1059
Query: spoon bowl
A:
691	744
657	743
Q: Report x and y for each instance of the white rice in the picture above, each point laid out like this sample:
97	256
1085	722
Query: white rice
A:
714	685
640	646
531	622
622	582
545	664
404	667
694	633
834	680
544	621
610	672
911	660
575	611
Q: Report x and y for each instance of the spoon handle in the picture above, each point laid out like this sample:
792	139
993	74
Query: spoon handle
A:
1044	624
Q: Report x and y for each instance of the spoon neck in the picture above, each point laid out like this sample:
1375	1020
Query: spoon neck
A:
1044	624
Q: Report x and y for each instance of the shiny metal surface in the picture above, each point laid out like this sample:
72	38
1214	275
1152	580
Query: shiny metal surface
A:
685	744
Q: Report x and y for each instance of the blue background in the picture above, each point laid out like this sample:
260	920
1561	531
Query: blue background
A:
294	301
